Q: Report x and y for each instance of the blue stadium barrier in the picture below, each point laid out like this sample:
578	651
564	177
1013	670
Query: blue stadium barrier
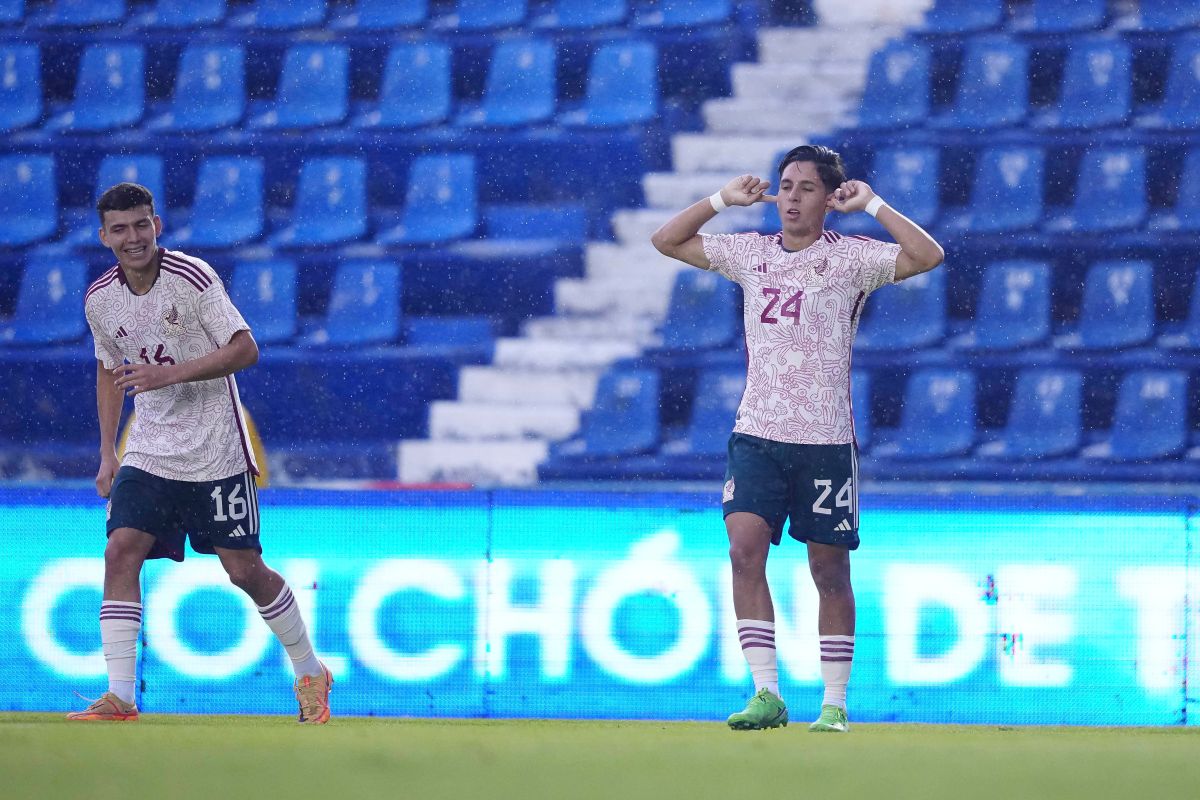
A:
666	14
907	176
1179	108
1013	312
1045	419
210	90
110	90
569	15
331	204
279	15
416	88
1006	194
50	303
485	15
993	91
265	294
963	16
313	89
1117	309
1097	86
938	417
441	203
182	14
622	87
228	205
28	200
1150	420
1110	193
364	306
471	337
897	91
82	13
382	15
562	223
1055	16
909	315
20	86
1167	15
701	315
520	86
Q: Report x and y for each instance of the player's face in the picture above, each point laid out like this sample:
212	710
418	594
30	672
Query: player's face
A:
802	198
132	236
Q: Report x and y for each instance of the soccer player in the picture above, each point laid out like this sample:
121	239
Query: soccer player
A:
792	454
166	333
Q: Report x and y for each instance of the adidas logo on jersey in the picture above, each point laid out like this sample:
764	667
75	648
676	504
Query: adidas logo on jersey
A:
844	525
121	333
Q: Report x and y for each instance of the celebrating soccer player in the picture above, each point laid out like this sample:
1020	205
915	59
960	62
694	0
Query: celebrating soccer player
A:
167	333
792	454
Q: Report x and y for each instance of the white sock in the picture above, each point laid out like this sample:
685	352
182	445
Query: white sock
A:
837	653
120	624
282	616
758	646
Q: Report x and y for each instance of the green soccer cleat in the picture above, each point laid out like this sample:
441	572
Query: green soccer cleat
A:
765	710
832	720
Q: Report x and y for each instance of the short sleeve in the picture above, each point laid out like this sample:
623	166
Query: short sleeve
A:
727	253
878	260
218	315
107	352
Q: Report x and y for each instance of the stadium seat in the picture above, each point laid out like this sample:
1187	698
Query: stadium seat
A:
383	15
993	91
1110	193
416	88
110	90
1167	15
860	406
562	222
331	204
938	417
1055	16
520	86
1184	215
1097	86
1117	308
274	15
963	16
579	14
364	306
624	419
440	204
1150	420
146	169
314	88
484	15
1006	194
210	89
83	13
12	11
909	315
1045	418
20	86
29	187
908	177
701	315
49	302
178	14
714	407
1179	108
622	87
227	209
683	13
265	293
1014	307
898	87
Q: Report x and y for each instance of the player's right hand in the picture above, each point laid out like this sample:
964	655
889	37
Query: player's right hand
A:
106	475
746	190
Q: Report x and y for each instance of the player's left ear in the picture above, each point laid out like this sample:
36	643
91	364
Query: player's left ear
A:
157	226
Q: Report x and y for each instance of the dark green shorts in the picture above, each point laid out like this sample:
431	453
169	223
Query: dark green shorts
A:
814	485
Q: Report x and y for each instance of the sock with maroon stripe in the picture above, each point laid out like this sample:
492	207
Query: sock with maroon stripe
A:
837	653
120	625
758	646
282	616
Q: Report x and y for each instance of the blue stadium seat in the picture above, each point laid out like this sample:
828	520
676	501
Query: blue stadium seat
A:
12	11
963	16
579	14
1167	15
1055	16
276	15
485	15
938	417
382	15
1014	307
416	88
701	315
49	302
1110	193
314	88
1006	194
520	86
265	293
1151	417
1117	308
993	91
441	203
1184	215
622	87
716	399
82	13
563	222
860	402
1045	419
683	13
624	419
146	169
897	91
1097	87
29	190
909	315
908	177
364	306
110	90
178	14
210	89
20	86
1180	105
331	204
227	209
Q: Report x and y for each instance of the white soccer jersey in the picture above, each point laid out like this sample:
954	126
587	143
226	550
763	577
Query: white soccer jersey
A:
189	431
802	310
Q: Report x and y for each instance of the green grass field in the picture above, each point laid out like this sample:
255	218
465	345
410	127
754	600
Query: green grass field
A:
221	758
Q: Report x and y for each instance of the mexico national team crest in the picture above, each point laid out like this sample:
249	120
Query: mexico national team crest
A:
172	322
727	494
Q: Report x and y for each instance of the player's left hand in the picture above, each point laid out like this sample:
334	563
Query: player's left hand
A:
133	379
851	196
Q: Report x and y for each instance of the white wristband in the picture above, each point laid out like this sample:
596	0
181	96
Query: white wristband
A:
717	202
874	205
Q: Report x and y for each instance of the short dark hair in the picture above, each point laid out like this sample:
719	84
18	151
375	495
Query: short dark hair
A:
123	197
828	161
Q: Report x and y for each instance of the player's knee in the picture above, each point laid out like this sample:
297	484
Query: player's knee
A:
831	578
243	575
122	556
747	558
